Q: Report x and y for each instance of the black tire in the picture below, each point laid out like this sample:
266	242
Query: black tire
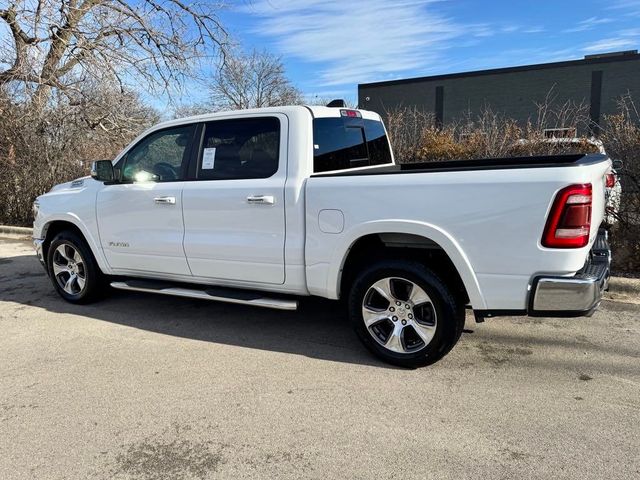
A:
93	280
449	313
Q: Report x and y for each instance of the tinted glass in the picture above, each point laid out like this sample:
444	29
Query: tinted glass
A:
377	143
159	157
338	144
342	143
239	149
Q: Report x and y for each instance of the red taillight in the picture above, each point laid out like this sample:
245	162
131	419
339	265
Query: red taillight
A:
610	179
569	221
350	113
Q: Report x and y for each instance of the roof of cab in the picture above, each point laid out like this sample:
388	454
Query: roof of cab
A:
316	112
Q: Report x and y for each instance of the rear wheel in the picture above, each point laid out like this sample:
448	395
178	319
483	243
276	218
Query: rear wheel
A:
73	269
405	314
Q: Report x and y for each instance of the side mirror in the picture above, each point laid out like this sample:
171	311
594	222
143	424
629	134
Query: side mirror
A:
102	170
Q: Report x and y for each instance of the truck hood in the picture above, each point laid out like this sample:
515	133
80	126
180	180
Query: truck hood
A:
72	185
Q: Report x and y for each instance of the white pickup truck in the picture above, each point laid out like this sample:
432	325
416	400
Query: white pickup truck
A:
263	206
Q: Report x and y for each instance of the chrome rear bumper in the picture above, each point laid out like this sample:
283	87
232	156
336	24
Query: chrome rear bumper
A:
578	295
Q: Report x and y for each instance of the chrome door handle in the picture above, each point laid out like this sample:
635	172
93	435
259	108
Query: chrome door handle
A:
165	200
261	199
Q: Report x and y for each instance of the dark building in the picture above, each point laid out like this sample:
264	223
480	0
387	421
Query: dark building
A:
597	81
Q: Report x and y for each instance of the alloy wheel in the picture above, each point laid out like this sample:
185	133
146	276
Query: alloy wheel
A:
399	315
69	269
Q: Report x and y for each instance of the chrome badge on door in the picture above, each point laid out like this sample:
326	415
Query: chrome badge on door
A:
119	244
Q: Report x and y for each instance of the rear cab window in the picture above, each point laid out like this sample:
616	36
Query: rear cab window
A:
345	142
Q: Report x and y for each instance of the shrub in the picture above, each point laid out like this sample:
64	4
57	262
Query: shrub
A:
404	128
621	138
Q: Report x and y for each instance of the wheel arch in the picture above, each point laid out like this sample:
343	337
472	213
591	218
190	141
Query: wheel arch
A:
398	239
56	225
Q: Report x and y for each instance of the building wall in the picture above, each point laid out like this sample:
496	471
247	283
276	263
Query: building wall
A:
512	92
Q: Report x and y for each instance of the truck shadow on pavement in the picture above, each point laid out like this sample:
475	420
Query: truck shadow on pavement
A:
318	329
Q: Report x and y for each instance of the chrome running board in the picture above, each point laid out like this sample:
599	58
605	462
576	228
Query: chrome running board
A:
203	292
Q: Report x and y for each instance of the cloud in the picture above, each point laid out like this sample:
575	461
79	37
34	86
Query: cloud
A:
510	57
609	44
521	29
631	4
631	7
360	40
510	28
625	38
629	32
588	24
533	30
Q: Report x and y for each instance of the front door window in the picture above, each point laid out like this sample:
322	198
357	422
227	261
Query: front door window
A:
159	157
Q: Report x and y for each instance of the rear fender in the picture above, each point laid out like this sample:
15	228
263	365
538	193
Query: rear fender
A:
431	232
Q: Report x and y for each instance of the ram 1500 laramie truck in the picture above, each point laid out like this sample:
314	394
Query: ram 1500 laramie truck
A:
263	206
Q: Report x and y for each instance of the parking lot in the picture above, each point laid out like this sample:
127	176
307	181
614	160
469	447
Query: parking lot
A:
150	387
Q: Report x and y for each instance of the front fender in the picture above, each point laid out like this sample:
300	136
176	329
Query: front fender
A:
412	227
74	203
89	232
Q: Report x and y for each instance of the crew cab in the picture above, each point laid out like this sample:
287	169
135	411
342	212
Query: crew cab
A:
262	207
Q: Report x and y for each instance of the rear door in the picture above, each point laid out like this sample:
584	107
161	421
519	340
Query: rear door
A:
140	218
234	212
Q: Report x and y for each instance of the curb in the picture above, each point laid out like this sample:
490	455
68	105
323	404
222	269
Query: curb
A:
625	286
16	230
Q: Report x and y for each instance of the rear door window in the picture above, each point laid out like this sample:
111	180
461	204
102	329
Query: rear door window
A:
343	143
240	149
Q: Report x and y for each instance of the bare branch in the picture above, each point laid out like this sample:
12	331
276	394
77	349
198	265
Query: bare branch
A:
252	81
155	43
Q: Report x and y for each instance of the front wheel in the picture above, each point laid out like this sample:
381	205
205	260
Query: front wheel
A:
73	270
405	314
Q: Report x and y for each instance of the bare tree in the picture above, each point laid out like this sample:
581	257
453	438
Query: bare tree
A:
42	147
190	110
59	44
405	127
323	101
115	114
553	113
252	81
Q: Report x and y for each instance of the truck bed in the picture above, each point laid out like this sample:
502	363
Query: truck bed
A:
488	216
507	163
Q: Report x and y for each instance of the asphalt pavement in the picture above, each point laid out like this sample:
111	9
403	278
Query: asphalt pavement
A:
148	387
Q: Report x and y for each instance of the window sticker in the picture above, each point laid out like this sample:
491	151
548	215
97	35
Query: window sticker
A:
208	158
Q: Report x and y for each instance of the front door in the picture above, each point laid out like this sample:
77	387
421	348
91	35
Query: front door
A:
140	218
234	212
